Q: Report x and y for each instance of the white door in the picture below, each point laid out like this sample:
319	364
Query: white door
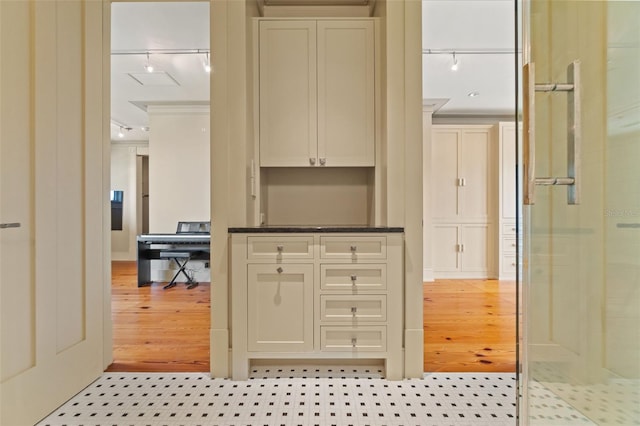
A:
52	250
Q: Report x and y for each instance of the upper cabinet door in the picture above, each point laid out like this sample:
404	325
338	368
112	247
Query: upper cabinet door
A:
346	88
474	190
288	94
461	162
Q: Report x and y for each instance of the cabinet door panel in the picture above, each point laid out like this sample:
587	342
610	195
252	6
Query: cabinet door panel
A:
445	248
444	162
475	248
346	93
288	98
280	307
474	170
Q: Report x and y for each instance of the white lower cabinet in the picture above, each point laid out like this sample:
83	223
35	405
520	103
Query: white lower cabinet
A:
279	300
461	250
317	296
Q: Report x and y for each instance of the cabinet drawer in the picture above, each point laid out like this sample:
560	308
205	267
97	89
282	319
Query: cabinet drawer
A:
299	247
353	277
509	229
353	339
509	245
353	308
509	264
374	247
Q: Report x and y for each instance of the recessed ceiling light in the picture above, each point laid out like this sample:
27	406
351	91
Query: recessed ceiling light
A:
473	94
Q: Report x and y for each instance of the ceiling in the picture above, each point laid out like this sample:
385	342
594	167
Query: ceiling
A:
480	32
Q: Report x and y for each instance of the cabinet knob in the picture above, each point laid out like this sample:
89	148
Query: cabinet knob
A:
354	278
323	161
280	249
279	270
353	342
353	249
312	161
354	310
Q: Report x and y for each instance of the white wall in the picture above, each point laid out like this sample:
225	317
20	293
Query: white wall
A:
179	183
123	178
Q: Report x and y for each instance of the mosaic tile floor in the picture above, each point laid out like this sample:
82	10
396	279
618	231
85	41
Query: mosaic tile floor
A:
611	404
305	396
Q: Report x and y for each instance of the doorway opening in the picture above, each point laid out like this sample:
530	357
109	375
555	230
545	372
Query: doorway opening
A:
160	137
469	186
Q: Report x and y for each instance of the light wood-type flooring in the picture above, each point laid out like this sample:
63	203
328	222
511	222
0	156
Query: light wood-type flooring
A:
469	325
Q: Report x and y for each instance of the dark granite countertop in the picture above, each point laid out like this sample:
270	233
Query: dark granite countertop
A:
315	229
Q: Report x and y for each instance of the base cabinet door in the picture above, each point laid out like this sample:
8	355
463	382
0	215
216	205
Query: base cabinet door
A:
280	307
461	250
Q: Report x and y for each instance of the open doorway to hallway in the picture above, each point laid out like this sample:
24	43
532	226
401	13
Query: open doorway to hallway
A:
160	139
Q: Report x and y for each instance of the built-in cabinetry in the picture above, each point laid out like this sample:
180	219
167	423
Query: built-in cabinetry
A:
462	199
316	93
507	205
317	295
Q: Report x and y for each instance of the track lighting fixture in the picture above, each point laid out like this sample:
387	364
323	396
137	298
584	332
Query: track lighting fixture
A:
148	67
454	65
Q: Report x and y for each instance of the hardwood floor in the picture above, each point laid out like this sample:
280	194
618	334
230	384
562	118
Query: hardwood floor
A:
156	329
469	325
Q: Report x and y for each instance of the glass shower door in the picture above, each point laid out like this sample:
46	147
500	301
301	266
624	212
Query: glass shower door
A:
580	224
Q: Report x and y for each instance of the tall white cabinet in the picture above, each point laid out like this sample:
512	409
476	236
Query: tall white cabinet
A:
463	193
508	203
317	93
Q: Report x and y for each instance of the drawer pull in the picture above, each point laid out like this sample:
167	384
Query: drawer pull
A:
353	342
353	279
353	249
279	270
354	310
513	244
280	249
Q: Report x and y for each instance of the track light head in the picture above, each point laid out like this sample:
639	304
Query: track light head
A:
148	67
454	65
207	63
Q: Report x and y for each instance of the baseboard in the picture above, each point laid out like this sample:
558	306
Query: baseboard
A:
427	275
462	275
123	256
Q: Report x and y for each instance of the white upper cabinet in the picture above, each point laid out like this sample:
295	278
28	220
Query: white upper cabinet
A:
317	93
346	93
461	165
288	95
